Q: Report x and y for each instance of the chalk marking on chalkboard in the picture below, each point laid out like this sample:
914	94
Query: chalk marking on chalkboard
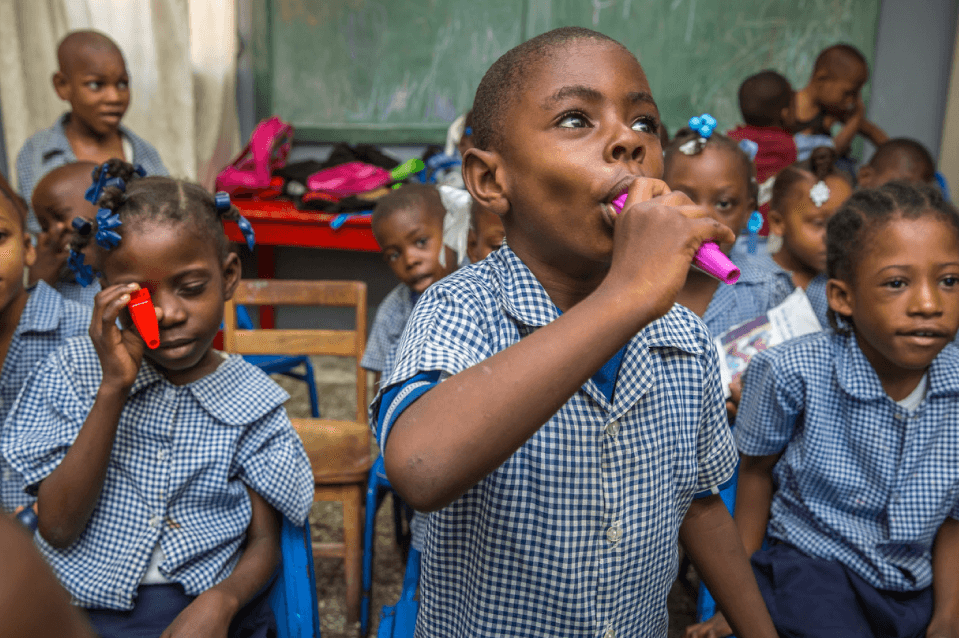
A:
598	6
627	6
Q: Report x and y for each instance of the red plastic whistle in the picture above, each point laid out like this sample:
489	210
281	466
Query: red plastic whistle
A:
145	317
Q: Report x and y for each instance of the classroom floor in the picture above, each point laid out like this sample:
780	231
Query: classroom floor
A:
335	386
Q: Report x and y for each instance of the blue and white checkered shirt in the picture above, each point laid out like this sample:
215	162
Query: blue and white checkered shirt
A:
181	460
47	149
815	291
862	481
758	290
83	295
576	533
46	322
391	318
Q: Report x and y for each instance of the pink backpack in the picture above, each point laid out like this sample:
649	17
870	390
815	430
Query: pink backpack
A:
351	178
267	151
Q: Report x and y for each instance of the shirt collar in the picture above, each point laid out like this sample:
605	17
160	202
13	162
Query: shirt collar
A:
221	393
43	311
58	142
523	298
858	378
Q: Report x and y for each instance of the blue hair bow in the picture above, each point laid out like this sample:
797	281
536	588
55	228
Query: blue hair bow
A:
106	237
704	125
753	225
82	272
222	202
749	147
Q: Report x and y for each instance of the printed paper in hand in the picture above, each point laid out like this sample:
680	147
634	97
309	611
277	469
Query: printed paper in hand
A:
792	318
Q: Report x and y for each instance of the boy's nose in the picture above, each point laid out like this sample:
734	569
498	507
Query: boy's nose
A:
626	145
926	299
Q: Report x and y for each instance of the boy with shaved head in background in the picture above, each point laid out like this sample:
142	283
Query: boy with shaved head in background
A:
92	77
833	95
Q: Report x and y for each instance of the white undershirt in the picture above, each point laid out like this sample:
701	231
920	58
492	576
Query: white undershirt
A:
915	397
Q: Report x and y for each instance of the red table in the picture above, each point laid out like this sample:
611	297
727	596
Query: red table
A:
279	223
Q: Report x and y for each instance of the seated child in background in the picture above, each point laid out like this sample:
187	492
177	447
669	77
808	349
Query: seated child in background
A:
93	78
898	159
160	471
833	96
720	177
408	226
32	324
486	233
801	205
556	508
850	440
765	101
58	199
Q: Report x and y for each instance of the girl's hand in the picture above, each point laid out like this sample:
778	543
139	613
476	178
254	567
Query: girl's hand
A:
120	351
654	240
735	394
208	616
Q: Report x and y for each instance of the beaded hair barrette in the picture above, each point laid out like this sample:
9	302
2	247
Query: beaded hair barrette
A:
704	125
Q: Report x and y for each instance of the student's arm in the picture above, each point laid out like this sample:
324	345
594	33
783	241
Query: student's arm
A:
468	425
712	542
67	496
945	582
850	128
211	613
872	132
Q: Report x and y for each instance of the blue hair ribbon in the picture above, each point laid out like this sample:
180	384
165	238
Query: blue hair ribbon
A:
749	147
753	225
107	220
96	189
82	272
222	202
704	125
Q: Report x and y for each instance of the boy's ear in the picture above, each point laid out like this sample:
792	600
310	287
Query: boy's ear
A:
865	176
29	252
839	296
231	275
61	84
485	179
472	241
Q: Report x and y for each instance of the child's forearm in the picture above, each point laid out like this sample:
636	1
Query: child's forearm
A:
712	542
945	580
468	425
843	140
67	496
259	561
754	496
872	132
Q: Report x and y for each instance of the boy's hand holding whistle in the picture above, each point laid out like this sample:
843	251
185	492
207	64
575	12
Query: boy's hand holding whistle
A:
658	234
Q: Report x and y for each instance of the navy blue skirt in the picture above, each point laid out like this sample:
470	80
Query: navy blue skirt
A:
157	606
812	597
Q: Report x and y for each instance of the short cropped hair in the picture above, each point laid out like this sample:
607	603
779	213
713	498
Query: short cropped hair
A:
839	59
419	196
716	140
906	152
499	87
762	98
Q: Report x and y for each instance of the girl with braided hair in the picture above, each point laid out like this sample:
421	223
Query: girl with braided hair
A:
159	473
849	440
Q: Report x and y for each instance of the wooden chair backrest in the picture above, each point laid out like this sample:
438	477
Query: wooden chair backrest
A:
294	292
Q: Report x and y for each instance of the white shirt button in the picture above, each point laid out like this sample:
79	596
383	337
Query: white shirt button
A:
162	455
612	428
154	521
169	394
614	533
610	633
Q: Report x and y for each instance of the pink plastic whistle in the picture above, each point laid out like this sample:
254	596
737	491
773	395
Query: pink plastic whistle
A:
709	258
144	317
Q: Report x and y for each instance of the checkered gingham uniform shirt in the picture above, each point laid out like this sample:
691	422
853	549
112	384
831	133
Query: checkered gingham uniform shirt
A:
575	535
47	149
46	322
862	480
758	290
181	460
391	318
83	295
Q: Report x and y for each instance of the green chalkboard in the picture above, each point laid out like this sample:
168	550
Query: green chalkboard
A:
387	71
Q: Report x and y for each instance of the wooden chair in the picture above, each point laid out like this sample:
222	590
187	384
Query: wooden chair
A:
339	450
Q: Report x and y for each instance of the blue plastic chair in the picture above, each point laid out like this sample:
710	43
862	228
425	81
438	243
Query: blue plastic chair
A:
399	620
943	185
293	597
281	364
376	489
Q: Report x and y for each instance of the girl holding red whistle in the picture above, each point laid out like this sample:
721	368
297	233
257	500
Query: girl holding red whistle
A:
149	450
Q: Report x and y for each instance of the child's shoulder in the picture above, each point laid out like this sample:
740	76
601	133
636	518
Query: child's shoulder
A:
804	355
48	312
237	392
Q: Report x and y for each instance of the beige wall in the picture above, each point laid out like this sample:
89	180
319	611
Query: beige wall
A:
949	151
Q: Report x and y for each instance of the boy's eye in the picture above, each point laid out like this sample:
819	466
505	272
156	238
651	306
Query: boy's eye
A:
646	125
391	256
724	204
421	242
896	284
950	281
123	85
94	85
573	120
192	290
